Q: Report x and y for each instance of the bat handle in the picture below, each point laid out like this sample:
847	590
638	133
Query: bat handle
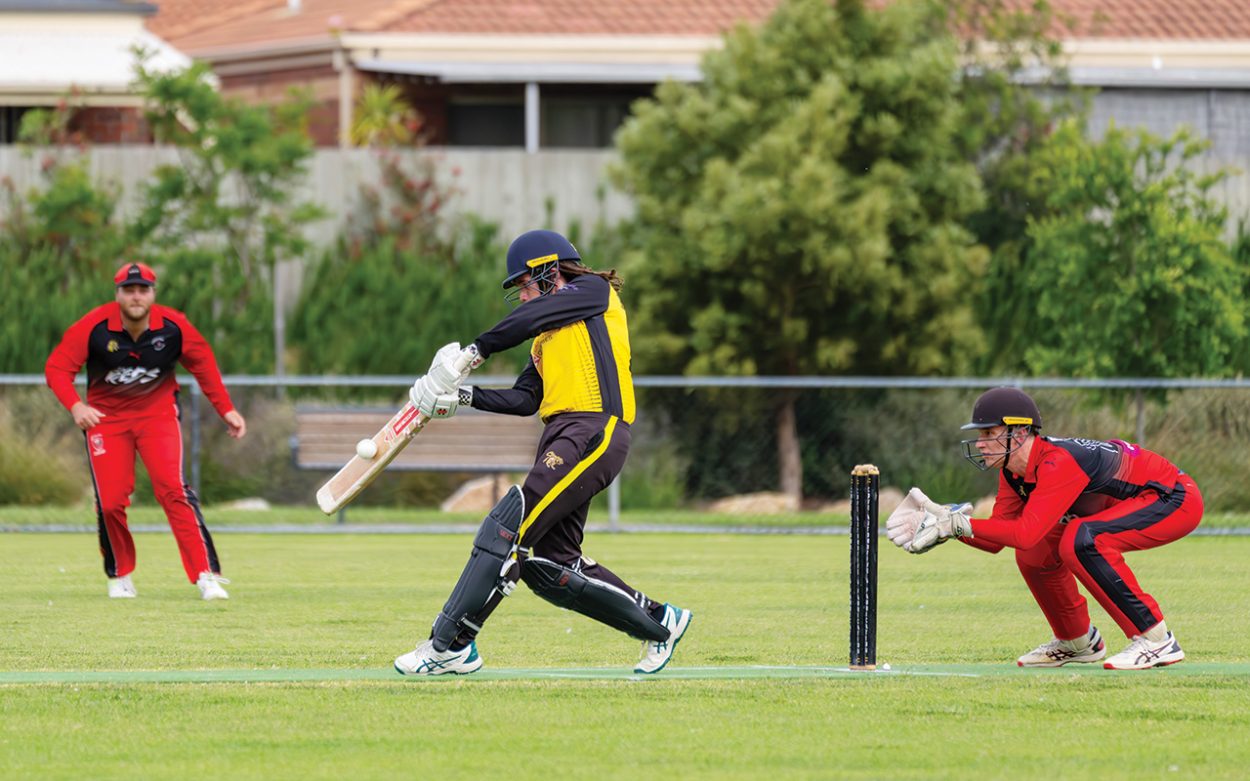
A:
466	358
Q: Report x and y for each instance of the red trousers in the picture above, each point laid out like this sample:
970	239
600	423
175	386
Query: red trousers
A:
1091	550
111	448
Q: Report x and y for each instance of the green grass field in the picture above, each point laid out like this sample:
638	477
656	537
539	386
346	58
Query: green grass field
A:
227	517
291	678
17	518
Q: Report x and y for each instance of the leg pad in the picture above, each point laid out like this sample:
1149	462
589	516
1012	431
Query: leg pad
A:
493	555
605	603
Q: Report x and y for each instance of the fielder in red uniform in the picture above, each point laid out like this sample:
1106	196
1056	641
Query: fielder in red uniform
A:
1070	508
130	348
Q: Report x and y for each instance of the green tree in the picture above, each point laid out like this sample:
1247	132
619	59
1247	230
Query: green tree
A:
1239	248
386	310
401	267
801	209
60	241
1014	87
231	197
384	118
1127	272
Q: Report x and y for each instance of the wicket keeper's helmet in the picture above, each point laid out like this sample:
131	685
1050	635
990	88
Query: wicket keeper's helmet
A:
533	250
1004	407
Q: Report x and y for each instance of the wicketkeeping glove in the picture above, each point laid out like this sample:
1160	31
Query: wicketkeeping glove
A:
900	527
940	523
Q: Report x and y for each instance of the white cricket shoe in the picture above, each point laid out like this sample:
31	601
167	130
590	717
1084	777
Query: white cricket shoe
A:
427	661
1142	654
656	654
210	586
122	588
1058	652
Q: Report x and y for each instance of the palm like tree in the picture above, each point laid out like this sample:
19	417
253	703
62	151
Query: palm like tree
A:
383	117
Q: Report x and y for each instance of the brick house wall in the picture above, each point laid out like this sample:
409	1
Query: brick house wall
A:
321	83
111	125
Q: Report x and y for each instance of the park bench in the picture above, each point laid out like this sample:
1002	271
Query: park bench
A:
473	441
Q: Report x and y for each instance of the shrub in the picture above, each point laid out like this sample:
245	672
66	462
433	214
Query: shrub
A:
386	310
42	460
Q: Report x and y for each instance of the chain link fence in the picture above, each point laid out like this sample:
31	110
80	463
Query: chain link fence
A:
707	452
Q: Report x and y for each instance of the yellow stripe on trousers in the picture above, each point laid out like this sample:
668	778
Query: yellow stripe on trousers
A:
568	479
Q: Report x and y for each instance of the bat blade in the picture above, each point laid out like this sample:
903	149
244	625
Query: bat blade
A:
356	474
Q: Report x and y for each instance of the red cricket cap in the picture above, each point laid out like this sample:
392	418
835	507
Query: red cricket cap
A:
135	274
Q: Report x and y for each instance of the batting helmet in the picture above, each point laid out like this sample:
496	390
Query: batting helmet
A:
1004	407
535	249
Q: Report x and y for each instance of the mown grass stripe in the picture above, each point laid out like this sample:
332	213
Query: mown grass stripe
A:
464	528
15	677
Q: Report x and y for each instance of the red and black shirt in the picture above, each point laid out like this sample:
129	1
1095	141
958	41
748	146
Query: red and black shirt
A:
128	377
1068	478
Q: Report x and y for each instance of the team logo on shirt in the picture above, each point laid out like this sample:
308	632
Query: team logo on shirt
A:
158	343
97	445
1092	444
551	460
129	375
112	346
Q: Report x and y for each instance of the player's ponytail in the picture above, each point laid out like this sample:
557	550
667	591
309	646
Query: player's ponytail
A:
571	268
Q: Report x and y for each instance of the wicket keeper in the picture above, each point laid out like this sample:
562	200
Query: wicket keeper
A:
578	379
130	348
1071	509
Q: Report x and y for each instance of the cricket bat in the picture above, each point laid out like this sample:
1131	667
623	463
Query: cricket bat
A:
356	474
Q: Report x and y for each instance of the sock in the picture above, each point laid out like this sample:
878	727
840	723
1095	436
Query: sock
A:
1157	633
1079	643
657	613
457	645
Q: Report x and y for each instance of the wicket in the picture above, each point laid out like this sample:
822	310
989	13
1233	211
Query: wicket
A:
864	488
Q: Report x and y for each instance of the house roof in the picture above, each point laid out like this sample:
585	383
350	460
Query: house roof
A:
208	25
582	17
177	19
1159	43
1158	19
77	7
45	57
197	25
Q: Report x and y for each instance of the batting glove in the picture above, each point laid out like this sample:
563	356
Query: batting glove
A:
444	375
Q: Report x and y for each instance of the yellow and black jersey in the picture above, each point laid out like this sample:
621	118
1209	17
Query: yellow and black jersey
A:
579	361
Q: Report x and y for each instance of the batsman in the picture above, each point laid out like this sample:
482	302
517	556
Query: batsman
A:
578	380
1071	509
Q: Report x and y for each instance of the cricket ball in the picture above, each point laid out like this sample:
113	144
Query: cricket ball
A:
366	448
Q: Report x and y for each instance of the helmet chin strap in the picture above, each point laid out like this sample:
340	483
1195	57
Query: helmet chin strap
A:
980	461
1012	444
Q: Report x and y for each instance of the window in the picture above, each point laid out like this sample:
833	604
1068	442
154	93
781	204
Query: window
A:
10	123
586	122
486	123
581	116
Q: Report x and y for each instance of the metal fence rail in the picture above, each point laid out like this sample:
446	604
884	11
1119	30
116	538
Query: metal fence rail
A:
669	388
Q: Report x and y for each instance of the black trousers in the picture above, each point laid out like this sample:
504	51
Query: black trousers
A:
579	455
